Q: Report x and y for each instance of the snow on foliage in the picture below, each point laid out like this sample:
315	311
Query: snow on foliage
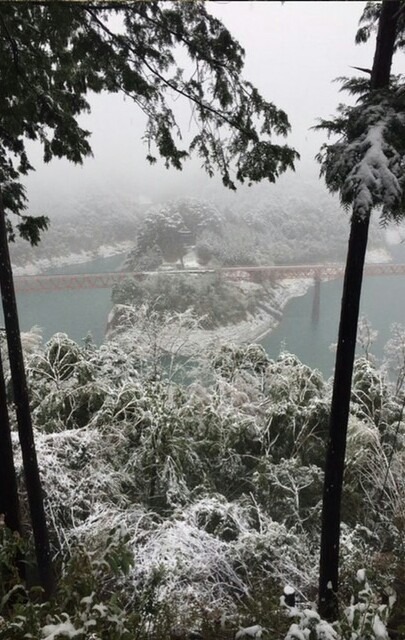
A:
373	181
189	498
364	619
108	442
395	356
309	626
365	165
151	334
255	631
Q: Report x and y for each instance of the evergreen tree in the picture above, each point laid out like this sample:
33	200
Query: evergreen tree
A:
366	167
51	56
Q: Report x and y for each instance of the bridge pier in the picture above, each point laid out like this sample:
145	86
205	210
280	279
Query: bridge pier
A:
316	301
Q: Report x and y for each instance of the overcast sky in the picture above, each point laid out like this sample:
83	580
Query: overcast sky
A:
294	50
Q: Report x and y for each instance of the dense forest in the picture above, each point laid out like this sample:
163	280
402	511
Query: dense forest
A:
266	225
162	492
191	234
176	507
82	226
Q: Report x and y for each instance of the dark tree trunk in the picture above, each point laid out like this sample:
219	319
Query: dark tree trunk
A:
334	465
339	416
21	400
8	482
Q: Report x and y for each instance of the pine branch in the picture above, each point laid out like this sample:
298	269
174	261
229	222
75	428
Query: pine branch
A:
204	106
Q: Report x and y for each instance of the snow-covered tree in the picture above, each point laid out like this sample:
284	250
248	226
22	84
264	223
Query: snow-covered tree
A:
172	228
51	57
366	167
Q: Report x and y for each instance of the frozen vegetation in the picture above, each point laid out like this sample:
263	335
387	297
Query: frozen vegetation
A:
81	228
182	468
260	226
183	496
188	234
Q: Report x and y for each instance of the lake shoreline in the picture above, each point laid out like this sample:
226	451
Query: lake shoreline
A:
42	266
254	329
198	339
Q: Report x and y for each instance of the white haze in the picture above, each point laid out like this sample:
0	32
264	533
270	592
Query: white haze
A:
294	50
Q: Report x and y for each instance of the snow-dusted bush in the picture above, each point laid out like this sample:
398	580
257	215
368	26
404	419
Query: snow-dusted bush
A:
369	391
297	410
231	359
214	300
85	606
215	487
395	356
310	626
365	618
291	491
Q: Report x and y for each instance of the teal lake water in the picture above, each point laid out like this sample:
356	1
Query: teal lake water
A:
75	312
79	312
383	303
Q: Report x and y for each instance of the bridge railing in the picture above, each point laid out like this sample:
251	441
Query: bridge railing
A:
49	283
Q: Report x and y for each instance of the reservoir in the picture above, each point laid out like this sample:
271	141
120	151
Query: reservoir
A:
75	312
79	312
382	303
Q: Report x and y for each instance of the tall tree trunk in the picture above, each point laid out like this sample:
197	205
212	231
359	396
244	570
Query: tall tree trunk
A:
335	456
21	400
9	506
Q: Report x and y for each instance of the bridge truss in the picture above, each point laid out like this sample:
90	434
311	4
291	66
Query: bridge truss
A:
52	283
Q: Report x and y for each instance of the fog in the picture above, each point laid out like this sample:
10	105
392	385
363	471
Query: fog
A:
294	51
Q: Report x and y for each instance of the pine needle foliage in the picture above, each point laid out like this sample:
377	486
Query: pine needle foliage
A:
365	165
369	23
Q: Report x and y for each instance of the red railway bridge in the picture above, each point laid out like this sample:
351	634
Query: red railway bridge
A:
317	272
